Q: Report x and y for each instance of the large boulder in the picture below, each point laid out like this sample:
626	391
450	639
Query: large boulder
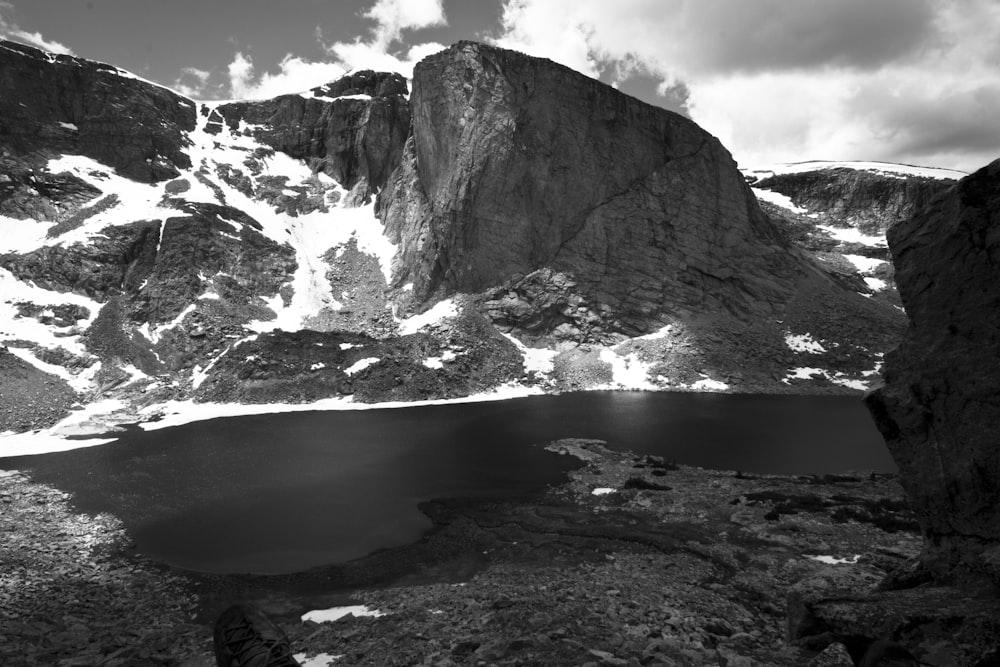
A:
516	164
939	409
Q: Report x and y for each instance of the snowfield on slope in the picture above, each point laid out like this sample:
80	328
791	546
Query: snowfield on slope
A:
883	168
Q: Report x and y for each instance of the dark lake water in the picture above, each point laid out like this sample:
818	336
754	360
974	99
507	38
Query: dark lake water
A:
285	492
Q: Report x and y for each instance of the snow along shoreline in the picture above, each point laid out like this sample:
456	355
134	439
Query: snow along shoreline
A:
100	419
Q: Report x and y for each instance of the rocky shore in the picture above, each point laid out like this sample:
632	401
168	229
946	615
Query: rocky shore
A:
633	561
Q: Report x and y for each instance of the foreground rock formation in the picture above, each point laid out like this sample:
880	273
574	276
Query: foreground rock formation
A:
938	409
667	565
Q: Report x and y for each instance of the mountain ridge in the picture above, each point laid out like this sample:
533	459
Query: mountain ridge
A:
302	214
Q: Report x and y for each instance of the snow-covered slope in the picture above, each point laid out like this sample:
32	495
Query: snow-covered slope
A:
882	168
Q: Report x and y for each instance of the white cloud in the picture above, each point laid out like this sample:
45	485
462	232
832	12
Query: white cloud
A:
241	76
295	75
392	18
193	83
368	55
10	30
906	80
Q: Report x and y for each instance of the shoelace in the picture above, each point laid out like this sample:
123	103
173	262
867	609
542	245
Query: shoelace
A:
251	650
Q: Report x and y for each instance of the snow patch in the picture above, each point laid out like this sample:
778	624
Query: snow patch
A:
538	360
831	560
336	613
438	362
53	439
839	378
875	284
803	343
442	310
628	372
884	168
318	660
708	384
864	264
361	365
852	235
603	491
778	199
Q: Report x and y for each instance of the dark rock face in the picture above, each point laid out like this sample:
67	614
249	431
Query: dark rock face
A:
78	106
30	398
468	357
872	202
938	410
355	140
518	164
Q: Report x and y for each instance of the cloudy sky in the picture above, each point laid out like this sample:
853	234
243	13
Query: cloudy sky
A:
912	81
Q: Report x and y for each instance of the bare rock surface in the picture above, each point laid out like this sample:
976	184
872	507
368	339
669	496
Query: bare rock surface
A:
77	106
29	398
938	410
518	163
352	129
868	201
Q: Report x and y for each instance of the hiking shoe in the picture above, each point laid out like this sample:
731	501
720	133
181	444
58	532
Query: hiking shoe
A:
245	637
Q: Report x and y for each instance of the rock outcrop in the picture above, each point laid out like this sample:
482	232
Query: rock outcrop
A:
53	104
517	164
865	199
938	409
352	129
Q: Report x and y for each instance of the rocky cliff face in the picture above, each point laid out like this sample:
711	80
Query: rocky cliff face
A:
840	211
866	199
60	104
352	129
518	164
938	409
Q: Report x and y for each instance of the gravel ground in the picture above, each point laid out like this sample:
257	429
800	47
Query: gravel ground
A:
675	566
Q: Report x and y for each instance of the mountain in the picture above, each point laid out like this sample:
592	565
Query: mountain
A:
510	225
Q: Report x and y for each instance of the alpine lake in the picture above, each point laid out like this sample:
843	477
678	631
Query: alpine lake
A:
282	493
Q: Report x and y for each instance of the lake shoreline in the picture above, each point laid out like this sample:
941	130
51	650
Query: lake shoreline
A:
102	422
664	563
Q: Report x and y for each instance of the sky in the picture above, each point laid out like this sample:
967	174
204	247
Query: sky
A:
910	81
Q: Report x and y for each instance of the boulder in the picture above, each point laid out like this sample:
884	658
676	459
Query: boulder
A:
938	409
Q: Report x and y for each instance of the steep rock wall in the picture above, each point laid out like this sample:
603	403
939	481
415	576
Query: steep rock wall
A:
939	409
517	163
871	202
352	129
82	107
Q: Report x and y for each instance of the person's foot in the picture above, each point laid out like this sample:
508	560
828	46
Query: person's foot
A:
245	637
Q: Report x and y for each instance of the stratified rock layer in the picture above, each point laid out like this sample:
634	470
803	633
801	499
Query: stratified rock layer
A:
939	410
517	164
